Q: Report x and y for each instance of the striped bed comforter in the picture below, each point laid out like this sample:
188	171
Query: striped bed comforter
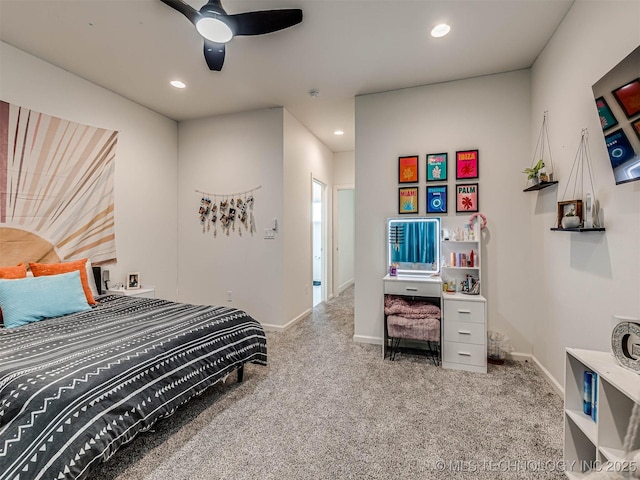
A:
73	389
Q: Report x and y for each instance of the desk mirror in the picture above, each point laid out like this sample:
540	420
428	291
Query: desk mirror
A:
414	245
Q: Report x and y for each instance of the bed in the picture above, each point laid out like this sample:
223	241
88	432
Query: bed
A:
75	388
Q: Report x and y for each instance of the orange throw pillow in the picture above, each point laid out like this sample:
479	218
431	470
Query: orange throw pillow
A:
41	269
11	273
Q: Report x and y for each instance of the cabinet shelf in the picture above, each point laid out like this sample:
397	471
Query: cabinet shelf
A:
578	229
587	441
540	186
461	268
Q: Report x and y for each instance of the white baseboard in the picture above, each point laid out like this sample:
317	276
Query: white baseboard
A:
366	339
281	328
345	285
521	357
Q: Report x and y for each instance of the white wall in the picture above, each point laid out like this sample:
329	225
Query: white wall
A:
305	157
146	153
344	166
488	113
344	235
584	278
223	155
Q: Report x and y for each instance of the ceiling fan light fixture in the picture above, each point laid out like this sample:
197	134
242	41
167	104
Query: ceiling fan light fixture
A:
214	29
440	30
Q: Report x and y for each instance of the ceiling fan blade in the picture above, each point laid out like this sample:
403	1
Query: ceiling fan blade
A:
214	54
191	13
266	21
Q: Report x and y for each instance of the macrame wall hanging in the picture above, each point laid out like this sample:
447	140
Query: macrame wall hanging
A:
227	210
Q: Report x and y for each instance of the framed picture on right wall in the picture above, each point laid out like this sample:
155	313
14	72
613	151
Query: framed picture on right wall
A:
467	198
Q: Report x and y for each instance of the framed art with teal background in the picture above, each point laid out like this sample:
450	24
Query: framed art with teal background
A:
436	167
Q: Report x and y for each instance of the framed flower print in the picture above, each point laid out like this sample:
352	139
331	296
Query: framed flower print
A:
408	169
436	167
467	198
466	164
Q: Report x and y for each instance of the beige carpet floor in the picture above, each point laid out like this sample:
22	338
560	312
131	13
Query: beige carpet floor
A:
329	408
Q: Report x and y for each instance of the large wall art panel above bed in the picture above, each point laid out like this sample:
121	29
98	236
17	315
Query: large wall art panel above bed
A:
56	189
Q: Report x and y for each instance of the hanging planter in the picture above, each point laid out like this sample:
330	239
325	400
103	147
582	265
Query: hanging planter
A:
540	174
582	213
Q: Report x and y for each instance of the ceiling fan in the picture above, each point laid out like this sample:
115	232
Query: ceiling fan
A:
217	27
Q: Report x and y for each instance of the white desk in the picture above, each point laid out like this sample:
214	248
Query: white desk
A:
409	286
463	326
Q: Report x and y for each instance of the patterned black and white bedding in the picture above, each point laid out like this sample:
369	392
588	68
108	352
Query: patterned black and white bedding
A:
75	388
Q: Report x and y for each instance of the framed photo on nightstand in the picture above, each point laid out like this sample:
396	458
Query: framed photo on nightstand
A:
133	281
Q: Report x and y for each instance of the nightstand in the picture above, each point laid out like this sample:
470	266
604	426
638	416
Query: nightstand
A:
145	292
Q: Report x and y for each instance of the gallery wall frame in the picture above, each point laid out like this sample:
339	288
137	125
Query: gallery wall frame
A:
467	198
467	164
619	147
408	169
437	199
628	96
408	200
437	166
636	127
607	118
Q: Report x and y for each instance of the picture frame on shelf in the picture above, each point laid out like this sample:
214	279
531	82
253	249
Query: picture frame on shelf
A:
133	281
467	164
628	97
437	199
607	118
636	127
437	167
467	198
408	169
567	206
407	200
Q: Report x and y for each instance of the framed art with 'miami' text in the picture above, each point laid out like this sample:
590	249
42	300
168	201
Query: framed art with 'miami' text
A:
408	200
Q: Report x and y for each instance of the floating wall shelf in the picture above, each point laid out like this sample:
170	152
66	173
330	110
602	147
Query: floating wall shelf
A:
539	186
578	229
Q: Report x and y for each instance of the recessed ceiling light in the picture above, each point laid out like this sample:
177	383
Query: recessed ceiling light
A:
339	132
440	30
178	84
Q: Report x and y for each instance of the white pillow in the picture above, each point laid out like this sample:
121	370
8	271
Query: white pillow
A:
91	279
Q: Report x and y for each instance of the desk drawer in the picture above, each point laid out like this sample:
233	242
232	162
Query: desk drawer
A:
465	353
463	311
464	332
418	289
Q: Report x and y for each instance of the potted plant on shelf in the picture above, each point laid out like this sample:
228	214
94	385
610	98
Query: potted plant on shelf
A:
535	174
570	220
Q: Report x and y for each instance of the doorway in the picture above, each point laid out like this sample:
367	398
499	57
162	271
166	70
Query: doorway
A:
319	234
